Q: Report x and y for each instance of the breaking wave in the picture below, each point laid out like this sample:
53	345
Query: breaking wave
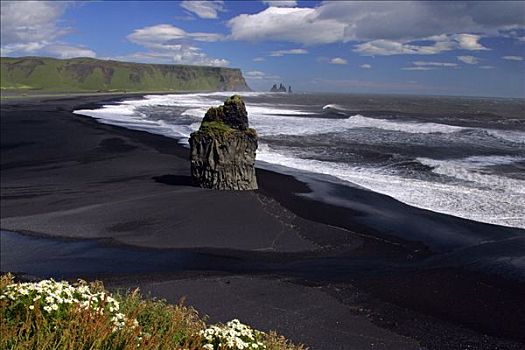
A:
469	186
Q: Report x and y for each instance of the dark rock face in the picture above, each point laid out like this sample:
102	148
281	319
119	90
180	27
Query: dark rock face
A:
223	149
281	88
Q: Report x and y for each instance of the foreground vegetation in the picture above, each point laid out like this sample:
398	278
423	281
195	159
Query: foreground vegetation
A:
59	315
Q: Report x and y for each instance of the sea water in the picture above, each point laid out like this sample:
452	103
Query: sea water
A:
459	156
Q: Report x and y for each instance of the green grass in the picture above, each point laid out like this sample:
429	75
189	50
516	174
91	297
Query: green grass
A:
216	128
46	74
220	129
234	99
148	323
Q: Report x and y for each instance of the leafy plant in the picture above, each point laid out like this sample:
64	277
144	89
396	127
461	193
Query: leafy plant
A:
56	315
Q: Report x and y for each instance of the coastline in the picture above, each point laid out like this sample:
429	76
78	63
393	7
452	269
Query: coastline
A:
79	186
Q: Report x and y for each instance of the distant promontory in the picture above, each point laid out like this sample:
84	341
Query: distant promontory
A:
44	74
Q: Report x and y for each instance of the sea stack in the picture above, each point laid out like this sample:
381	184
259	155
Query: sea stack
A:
223	149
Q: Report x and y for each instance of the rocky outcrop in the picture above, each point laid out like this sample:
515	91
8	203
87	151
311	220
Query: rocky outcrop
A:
281	88
223	149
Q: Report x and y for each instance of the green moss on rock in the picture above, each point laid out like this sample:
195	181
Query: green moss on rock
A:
215	127
222	151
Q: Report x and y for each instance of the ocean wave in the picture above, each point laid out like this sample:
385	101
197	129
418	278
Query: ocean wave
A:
334	106
269	124
471	190
470	170
508	135
504	206
268	120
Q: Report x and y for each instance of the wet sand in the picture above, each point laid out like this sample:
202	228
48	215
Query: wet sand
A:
332	266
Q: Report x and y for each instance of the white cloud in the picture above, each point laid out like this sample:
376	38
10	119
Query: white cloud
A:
469	42
418	68
429	65
165	34
338	60
259	80
433	64
384	28
299	25
204	9
169	44
157	34
487	67
411	20
513	58
258	75
366	66
177	54
433	45
31	22
254	74
280	53
468	59
281	3
389	47
23	48
33	27
67	51
259	59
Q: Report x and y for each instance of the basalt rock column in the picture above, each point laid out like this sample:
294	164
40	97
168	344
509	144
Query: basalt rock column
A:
223	149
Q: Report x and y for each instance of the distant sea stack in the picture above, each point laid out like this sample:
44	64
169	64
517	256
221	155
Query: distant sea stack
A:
281	88
222	151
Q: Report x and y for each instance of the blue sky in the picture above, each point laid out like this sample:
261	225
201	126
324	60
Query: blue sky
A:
445	48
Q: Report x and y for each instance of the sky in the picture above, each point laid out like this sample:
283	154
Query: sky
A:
404	47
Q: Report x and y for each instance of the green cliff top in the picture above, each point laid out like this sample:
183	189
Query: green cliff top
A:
50	75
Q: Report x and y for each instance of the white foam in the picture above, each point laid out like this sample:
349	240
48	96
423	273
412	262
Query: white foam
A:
269	122
470	170
334	106
501	204
508	135
476	195
126	114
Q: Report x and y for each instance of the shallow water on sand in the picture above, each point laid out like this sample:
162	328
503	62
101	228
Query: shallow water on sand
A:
47	257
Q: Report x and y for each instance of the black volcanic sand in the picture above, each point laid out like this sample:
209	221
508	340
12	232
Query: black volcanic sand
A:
331	266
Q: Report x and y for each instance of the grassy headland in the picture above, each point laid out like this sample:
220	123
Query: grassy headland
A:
30	75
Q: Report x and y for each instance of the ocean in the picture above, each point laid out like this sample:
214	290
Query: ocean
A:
454	155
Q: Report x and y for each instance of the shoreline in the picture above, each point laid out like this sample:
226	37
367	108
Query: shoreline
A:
335	231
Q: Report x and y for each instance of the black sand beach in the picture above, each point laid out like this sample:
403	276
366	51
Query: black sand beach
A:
331	266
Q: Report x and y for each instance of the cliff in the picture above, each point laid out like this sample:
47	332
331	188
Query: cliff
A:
223	149
45	74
